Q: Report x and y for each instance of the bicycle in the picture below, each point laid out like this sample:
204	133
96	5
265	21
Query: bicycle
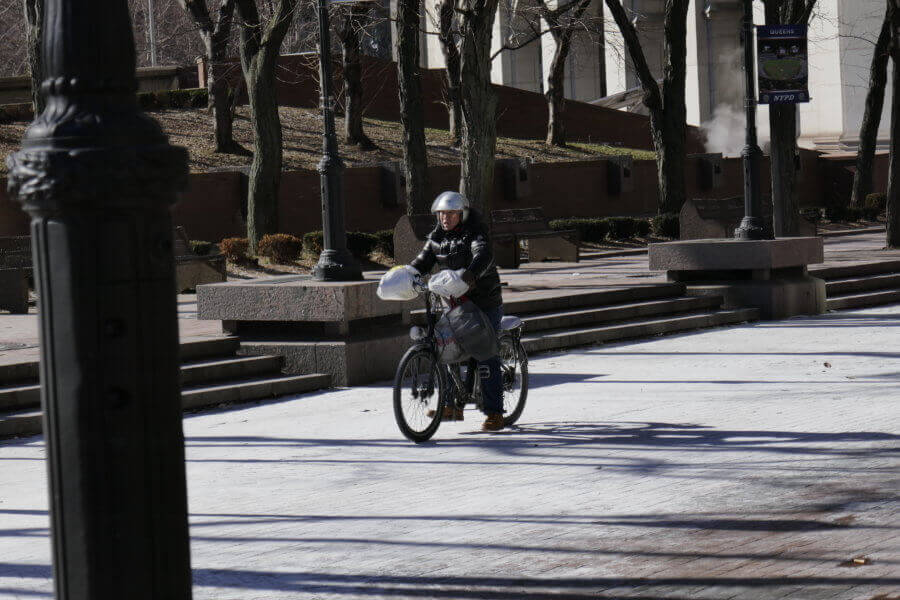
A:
424	386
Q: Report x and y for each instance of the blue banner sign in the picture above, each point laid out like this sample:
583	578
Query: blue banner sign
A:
782	64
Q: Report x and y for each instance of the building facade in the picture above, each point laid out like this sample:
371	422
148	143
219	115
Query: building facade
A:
842	34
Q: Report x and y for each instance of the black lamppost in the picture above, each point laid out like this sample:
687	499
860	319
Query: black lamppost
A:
97	177
335	263
751	227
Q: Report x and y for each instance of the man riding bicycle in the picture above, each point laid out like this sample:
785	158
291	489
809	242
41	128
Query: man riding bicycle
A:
460	241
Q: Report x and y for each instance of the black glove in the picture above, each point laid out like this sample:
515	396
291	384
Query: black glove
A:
469	278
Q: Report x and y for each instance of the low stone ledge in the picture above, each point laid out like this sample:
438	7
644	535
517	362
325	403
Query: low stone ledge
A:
293	298
724	255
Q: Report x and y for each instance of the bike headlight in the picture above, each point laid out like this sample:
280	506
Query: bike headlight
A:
416	333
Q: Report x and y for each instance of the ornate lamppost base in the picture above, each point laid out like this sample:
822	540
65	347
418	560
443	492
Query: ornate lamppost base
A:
751	228
337	265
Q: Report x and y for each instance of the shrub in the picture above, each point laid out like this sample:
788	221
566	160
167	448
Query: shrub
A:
589	230
666	225
313	243
235	249
188	98
385	243
641	228
282	248
201	248
836	213
359	244
870	213
876	202
812	213
621	228
853	214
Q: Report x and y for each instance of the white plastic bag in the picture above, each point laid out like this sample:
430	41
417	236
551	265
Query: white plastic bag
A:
398	284
448	283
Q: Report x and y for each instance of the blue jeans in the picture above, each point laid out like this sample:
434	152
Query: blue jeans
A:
489	370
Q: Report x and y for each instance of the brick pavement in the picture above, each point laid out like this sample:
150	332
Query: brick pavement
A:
725	464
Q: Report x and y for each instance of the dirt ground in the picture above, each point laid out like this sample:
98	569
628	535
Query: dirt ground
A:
192	128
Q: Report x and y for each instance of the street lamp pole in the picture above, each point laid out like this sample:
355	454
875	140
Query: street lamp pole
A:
335	263
97	177
751	227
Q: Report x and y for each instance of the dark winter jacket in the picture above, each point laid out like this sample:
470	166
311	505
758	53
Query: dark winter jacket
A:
465	247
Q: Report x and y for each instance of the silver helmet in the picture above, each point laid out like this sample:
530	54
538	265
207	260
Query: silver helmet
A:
451	201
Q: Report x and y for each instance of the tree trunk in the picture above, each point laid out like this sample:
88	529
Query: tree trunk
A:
556	100
215	44
479	104
893	190
412	114
561	27
352	69
220	93
259	55
667	107
783	126
868	132
450	51
34	26
265	170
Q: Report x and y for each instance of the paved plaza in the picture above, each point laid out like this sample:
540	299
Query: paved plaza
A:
750	462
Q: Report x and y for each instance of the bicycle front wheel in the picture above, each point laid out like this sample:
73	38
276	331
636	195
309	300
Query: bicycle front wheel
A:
418	390
514	367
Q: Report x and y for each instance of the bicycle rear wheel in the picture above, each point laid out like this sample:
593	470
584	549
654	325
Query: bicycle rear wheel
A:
418	391
514	368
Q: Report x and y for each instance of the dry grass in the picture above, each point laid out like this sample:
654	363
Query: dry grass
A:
192	128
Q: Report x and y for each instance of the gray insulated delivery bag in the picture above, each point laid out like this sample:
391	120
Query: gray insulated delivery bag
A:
473	331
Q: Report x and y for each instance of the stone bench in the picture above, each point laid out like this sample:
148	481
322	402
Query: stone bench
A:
528	226
16	269
192	269
15	272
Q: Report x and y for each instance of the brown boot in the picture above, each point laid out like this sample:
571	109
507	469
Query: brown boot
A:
494	422
451	413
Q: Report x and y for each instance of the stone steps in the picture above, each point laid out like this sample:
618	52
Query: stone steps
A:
248	390
238	367
860	285
842	287
634	328
870	298
28	422
617	312
855	270
211	375
533	305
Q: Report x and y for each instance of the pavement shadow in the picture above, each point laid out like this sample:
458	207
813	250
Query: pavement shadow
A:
533	439
368	585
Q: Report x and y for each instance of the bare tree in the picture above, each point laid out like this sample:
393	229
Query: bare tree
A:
893	190
562	22
175	42
412	113
352	25
448	34
868	131
34	27
667	108
478	102
783	127
215	36
260	46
